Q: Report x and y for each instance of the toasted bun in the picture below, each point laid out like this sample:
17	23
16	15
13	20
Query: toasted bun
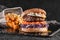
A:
35	10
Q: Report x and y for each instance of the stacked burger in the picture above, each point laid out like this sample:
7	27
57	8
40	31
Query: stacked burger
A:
34	21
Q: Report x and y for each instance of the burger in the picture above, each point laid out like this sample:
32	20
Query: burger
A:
34	21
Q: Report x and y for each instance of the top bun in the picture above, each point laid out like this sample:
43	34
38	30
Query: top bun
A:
35	10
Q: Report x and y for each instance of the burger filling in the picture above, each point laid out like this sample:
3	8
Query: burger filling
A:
34	17
33	25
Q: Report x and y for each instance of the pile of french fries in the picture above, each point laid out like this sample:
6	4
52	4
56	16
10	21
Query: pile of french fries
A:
13	20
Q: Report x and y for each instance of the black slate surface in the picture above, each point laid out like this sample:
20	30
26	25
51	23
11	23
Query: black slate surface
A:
22	37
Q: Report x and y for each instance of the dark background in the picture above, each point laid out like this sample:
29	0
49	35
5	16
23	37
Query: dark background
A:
52	7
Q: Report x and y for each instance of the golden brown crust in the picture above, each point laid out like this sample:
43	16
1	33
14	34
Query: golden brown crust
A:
45	29
35	10
12	20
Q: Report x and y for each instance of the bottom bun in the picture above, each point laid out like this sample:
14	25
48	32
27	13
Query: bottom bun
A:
44	29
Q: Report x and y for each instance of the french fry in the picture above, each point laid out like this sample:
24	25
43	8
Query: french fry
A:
13	20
